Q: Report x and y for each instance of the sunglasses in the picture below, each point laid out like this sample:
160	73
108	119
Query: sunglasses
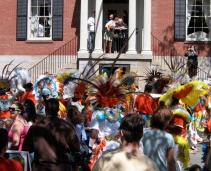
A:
13	109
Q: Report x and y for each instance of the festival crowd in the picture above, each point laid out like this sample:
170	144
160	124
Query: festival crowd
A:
80	121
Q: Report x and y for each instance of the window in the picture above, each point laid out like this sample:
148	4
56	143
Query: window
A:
39	20
198	20
192	20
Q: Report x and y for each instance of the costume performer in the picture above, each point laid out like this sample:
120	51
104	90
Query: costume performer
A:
47	86
178	98
74	89
145	104
107	92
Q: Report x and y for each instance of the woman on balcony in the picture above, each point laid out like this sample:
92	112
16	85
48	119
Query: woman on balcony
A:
109	33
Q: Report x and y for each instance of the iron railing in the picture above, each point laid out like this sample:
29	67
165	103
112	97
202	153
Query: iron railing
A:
57	60
163	52
119	39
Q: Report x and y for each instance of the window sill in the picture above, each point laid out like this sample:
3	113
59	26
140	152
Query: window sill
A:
197	42
40	41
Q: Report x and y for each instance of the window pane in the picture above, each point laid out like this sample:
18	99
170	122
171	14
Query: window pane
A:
34	11
33	2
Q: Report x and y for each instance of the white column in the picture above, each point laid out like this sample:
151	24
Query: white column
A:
147	28
98	26
131	27
83	27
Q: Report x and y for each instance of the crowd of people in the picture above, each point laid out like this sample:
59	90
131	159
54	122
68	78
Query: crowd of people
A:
100	127
115	35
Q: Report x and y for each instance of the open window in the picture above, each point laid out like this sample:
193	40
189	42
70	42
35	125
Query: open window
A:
39	20
192	20
198	20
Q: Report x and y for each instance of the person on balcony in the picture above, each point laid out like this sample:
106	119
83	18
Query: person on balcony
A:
192	62
120	34
109	33
91	28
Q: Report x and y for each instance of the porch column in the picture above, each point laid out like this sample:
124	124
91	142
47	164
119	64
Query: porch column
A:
147	28
131	27
98	27
83	27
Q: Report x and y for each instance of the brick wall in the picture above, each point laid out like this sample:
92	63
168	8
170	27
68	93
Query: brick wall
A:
8	43
163	27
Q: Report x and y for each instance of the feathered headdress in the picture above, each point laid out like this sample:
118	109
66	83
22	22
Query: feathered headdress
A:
5	77
105	89
47	84
156	79
188	93
73	87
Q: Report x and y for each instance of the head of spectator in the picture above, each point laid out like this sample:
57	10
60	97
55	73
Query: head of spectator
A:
131	129
3	142
52	107
74	116
120	22
16	110
111	17
30	110
192	48
161	118
195	167
93	14
116	20
148	88
28	87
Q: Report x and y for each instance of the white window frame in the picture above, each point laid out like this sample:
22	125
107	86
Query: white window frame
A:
35	24
199	35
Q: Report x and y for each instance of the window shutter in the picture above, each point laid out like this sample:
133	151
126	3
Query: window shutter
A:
179	20
57	20
21	26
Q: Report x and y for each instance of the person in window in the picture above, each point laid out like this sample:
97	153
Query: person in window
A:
192	62
47	24
121	30
41	27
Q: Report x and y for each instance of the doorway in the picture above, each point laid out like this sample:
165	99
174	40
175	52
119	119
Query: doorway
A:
118	9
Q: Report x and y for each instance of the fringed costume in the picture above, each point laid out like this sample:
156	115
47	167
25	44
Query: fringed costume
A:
178	98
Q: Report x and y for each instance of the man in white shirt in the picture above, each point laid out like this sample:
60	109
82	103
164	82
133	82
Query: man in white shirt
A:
91	28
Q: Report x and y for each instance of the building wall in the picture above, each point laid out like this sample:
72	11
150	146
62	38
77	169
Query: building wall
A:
8	43
163	28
